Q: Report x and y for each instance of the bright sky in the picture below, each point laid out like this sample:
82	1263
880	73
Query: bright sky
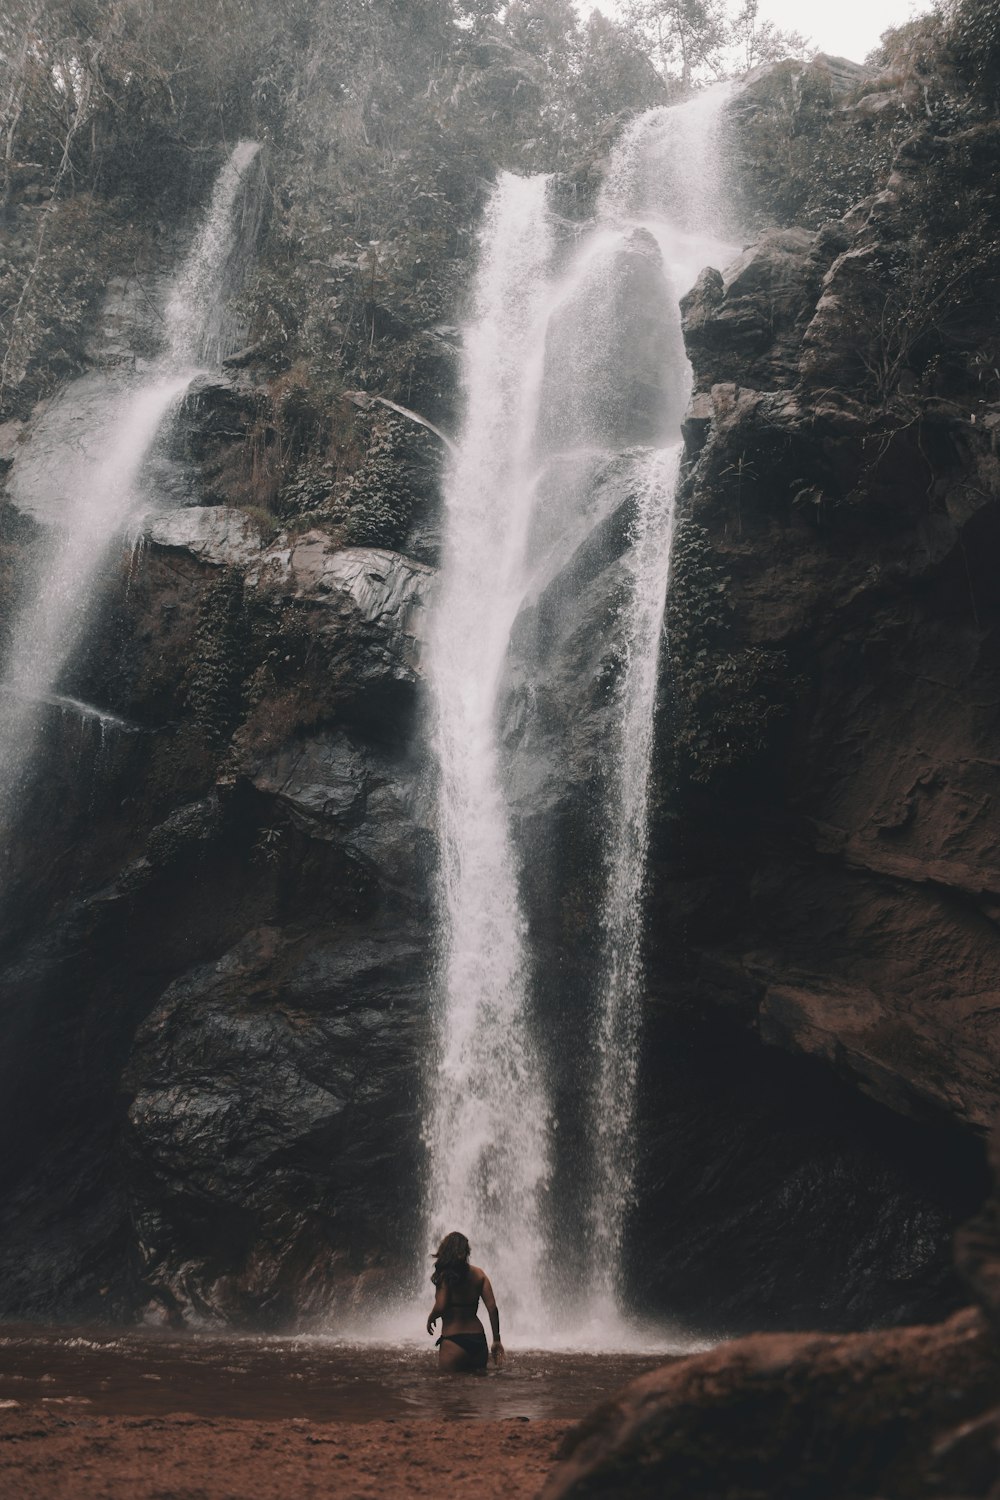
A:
846	28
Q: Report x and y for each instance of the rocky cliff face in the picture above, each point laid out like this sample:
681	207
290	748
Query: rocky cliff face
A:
230	978
825	855
217	940
856	539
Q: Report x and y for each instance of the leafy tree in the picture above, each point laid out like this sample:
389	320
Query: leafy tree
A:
689	37
547	28
974	34
615	71
757	41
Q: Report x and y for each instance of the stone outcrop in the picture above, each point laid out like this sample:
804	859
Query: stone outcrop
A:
267	872
746	325
855	537
273	1093
902	1413
912	1411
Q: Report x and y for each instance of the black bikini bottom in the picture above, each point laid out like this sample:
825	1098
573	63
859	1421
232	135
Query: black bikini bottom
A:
474	1344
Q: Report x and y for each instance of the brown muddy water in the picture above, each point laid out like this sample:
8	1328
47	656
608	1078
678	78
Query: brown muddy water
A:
143	1372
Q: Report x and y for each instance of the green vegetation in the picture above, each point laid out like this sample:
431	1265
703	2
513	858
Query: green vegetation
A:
809	151
383	123
972	30
698	39
214	683
383	120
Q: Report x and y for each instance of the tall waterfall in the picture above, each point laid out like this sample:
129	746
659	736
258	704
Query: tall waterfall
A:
489	1107
553	389
95	488
666	177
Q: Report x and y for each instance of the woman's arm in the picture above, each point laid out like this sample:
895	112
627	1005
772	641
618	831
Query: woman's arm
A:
438	1309
490	1303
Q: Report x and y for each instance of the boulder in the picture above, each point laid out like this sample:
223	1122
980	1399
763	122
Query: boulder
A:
802	1415
746	326
221	536
273	1126
910	1411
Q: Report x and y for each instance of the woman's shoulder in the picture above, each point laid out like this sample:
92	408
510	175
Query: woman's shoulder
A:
478	1274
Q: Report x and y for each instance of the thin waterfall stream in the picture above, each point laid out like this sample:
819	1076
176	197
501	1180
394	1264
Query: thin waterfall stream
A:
665	178
88	494
551	400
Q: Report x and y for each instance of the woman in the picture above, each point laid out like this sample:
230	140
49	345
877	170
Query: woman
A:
462	1345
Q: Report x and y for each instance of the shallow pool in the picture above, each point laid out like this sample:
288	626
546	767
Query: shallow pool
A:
141	1372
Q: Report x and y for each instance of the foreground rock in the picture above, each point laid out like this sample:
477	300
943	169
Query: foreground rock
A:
896	1413
906	1412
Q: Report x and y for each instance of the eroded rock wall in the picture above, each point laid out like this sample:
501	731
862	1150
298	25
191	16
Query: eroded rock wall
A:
215	1030
218	946
855	542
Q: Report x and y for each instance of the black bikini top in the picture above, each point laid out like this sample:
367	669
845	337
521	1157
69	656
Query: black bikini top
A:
473	1304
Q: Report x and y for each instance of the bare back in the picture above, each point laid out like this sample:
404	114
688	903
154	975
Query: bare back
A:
462	1302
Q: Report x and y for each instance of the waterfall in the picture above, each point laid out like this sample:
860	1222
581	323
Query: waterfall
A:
94	486
667	178
569	361
613	1098
198	317
488	1128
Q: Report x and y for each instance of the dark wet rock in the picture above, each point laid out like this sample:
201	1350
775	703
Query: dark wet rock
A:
263	857
274	1123
369	799
187	828
747	326
803	1415
977	1246
869	1208
388	591
854	544
908	1412
754	1151
208	442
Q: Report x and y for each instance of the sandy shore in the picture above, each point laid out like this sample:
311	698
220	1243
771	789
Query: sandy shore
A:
45	1455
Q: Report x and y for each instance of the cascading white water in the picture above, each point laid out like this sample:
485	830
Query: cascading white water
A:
100	484
198	330
669	171
618	1026
666	177
553	387
487	1134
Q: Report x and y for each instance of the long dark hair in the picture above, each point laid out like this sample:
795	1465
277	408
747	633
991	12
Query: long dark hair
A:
451	1261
